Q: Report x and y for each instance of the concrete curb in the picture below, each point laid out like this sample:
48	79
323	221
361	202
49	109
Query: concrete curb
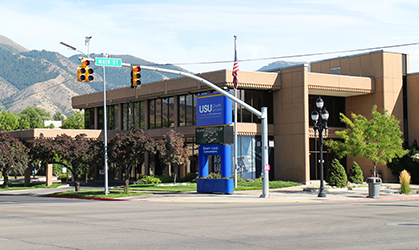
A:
85	198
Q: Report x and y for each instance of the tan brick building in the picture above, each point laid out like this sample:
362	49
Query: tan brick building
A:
346	84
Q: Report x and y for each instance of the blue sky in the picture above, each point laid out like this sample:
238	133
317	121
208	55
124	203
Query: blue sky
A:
202	31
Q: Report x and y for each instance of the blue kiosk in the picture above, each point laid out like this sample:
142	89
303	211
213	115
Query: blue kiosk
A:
215	134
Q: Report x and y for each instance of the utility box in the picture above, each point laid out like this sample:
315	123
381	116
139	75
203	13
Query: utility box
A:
373	187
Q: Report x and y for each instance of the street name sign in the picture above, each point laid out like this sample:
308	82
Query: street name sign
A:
113	62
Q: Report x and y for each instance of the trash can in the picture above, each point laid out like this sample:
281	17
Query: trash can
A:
373	187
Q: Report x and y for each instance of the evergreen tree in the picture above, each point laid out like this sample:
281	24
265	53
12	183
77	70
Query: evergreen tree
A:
58	116
336	175
355	174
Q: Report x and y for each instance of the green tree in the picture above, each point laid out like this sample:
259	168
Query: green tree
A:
378	139
336	175
9	121
13	156
75	121
33	117
172	151
58	116
355	174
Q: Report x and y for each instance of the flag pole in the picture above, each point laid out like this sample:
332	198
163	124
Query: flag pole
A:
235	83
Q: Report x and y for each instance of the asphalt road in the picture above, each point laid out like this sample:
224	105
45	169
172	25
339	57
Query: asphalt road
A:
34	222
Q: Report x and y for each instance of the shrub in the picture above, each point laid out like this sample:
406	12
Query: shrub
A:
190	177
239	178
149	179
214	176
407	162
355	174
63	177
404	181
336	175
165	179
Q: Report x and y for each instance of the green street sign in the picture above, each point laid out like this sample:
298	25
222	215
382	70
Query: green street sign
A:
113	62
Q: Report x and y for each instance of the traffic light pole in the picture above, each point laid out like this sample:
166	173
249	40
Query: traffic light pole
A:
263	115
105	132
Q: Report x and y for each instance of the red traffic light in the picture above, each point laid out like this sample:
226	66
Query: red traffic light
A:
136	68
86	63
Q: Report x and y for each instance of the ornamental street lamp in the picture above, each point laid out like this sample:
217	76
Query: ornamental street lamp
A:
320	125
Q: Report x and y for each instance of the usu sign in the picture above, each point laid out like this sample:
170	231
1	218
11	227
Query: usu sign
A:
213	109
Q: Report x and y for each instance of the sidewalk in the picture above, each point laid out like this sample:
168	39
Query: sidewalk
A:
304	193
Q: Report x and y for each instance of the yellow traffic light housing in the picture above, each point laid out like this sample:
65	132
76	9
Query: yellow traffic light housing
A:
88	74
84	73
135	76
80	74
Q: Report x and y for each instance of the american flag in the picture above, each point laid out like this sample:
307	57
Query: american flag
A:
235	71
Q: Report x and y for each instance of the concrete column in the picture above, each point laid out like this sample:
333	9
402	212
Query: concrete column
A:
48	174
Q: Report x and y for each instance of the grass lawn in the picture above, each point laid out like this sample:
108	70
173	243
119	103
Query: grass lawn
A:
149	188
31	186
98	194
241	186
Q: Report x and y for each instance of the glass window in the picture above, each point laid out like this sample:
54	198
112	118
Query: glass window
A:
246	114
141	113
165	112
171	110
245	157
257	99
334	105
136	114
158	113
189	110
100	118
151	113
182	111
89	118
112	117
194	109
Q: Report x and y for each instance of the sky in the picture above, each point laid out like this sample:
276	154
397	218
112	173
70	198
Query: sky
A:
199	35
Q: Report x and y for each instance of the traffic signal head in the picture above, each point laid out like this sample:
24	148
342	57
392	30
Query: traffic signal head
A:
88	74
135	76
81	74
84	73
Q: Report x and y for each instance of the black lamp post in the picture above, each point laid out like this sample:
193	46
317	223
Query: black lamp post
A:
320	125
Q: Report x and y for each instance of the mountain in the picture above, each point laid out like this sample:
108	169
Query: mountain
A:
275	66
8	44
47	79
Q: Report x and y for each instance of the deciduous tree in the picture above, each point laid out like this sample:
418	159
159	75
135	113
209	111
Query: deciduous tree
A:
378	139
127	150
73	153
13	156
173	152
75	121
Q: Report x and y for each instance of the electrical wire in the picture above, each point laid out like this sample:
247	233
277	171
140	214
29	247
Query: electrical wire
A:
300	55
247	60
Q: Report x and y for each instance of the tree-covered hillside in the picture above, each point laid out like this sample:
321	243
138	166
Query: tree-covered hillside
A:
22	71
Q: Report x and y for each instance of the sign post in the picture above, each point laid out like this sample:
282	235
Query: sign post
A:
112	62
